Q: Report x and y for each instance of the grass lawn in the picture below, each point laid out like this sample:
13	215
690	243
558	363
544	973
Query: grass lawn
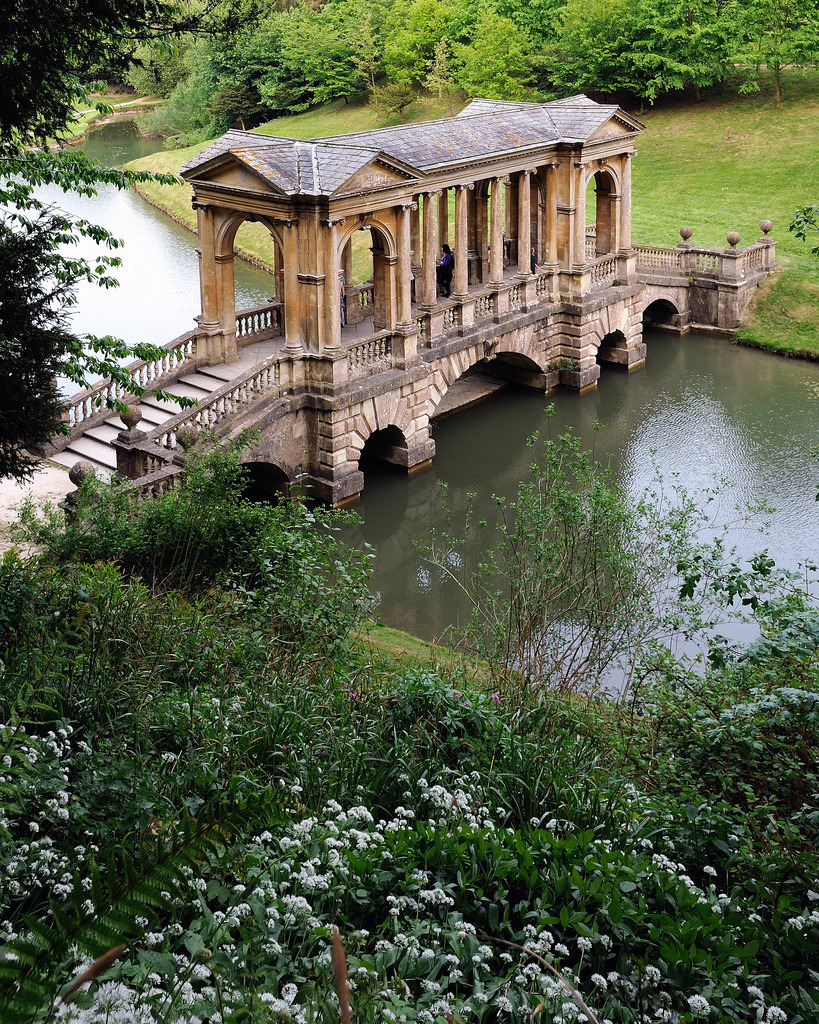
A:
725	165
722	165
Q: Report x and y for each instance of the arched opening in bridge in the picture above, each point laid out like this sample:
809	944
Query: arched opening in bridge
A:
661	313
601	229
266	482
612	350
384	450
488	376
367	270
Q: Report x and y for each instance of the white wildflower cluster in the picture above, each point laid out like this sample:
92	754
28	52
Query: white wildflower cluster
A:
32	860
458	802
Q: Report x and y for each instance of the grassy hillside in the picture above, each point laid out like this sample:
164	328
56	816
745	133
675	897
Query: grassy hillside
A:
719	166
725	165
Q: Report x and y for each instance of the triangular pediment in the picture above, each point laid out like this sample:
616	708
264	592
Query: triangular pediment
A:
376	174
615	127
234	173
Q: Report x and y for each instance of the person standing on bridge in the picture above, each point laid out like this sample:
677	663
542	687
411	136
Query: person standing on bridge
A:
445	270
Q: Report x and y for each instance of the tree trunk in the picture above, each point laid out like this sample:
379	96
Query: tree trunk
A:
697	93
777	85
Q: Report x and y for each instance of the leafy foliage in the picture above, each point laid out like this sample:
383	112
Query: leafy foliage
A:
213	776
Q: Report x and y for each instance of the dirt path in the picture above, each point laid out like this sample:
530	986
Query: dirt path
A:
50	483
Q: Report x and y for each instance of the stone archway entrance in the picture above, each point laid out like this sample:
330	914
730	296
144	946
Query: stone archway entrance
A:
266	482
384	446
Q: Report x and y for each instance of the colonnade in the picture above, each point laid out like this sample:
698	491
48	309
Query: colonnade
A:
498	221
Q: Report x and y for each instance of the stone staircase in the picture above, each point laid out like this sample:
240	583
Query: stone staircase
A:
94	444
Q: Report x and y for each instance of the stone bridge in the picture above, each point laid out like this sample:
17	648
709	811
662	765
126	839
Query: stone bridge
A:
331	373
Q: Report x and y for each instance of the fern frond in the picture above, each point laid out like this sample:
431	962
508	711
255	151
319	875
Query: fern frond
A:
30	965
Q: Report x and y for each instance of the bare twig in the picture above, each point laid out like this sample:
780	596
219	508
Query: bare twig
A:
340	973
579	1000
98	967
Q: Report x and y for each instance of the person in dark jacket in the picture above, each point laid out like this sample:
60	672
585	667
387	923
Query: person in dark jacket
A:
445	270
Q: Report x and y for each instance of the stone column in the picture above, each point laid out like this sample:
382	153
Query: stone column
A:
332	299
579	233
461	280
278	261
347	263
482	232
404	233
207	268
496	244
227	304
430	251
524	224
625	204
550	253
415	246
291	296
511	218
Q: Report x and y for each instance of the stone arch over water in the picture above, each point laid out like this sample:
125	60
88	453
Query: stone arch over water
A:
661	313
387	445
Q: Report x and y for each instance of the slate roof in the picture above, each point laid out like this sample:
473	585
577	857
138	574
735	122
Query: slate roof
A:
485	128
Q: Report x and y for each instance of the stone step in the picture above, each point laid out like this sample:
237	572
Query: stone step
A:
201	382
69	459
97	452
105	432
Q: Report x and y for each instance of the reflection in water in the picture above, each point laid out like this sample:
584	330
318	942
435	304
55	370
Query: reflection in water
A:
701	411
158	296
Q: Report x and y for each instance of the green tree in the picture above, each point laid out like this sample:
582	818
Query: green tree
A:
676	43
592	51
498	62
439	78
780	34
413	29
47	55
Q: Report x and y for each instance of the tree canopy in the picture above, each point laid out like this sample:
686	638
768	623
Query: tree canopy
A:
48	56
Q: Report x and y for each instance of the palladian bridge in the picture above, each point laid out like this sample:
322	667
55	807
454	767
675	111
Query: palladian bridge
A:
535	202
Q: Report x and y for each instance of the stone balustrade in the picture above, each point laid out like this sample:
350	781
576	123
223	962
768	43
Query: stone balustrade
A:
655	256
227	401
259	323
732	263
603	271
81	410
371	356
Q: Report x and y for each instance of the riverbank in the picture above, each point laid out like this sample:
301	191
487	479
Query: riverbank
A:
719	166
87	119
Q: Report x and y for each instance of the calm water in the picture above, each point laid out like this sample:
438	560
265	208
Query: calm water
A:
701	409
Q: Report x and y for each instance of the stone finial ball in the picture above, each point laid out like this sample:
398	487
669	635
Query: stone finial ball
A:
186	437
132	416
79	471
686	232
733	239
765	226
